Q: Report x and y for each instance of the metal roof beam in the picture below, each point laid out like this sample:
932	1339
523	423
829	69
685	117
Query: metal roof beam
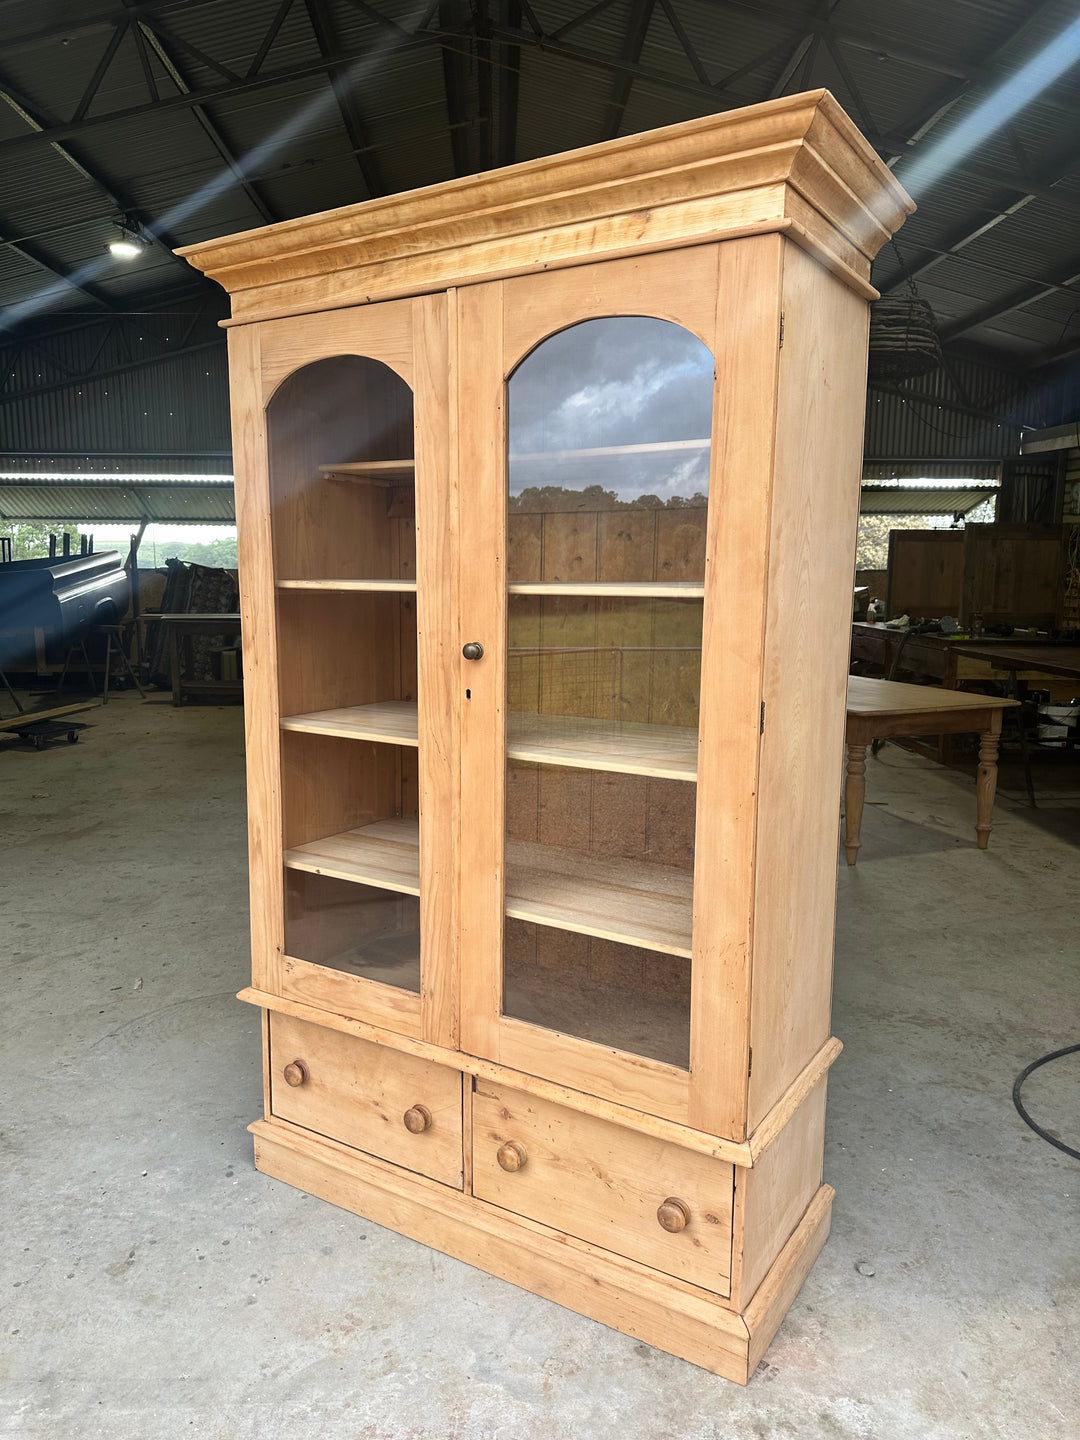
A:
985	73
352	117
64	280
509	92
148	36
637	25
455	81
1016	300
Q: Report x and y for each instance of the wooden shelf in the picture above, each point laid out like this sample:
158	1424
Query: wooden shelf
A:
651	447
622	900
665	751
392	722
371	472
617	590
386	855
404	587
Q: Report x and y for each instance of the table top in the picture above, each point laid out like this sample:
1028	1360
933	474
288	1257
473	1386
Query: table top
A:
225	618
1051	658
889	697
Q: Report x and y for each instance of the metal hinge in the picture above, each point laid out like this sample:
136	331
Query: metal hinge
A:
761	728
781	345
750	1065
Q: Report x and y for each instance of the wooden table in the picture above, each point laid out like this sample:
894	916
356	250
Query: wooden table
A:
1046	656
881	709
179	624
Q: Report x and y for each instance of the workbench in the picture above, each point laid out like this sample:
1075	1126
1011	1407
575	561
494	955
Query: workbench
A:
184	626
884	709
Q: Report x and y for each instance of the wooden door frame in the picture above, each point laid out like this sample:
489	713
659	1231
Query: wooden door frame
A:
728	295
410	337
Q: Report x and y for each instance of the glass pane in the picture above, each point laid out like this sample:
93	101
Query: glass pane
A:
355	928
342	494
609	437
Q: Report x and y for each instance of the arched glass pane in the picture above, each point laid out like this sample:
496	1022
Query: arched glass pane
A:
340	438
609	450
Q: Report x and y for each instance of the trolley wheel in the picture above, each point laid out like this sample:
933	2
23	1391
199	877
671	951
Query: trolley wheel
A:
73	737
39	742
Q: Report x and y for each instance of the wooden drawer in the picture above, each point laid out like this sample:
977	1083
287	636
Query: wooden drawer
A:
604	1184
359	1093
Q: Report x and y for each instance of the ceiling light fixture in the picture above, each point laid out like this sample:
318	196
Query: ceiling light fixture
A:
128	245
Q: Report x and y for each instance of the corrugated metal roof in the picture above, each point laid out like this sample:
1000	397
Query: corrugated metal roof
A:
126	498
922	500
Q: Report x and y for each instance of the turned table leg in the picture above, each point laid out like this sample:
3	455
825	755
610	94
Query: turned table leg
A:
854	795
985	786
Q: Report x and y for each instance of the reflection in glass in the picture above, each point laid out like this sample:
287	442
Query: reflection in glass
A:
342	488
609	439
354	928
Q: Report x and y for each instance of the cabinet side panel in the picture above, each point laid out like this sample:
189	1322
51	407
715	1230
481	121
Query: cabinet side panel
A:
746	349
819	431
481	684
437	708
258	621
777	1192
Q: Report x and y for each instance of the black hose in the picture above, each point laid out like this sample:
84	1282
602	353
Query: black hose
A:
1018	1083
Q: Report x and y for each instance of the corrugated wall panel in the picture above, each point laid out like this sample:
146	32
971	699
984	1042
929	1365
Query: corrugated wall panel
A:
174	408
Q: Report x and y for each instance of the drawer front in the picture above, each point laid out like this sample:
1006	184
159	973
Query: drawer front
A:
368	1096
605	1184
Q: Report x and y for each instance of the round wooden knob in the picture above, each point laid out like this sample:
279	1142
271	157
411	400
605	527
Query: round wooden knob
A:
417	1119
673	1215
511	1156
295	1073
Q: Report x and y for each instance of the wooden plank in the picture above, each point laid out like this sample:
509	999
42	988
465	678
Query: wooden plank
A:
813	526
867	696
641	1121
775	1295
481	684
393	722
631	590
51	712
385	854
603	1184
395	586
370	472
702	180
258	611
602	1071
381	331
621	900
327	990
776	1193
436	662
629	747
633	903
769	1130
358	1094
661	1310
747	351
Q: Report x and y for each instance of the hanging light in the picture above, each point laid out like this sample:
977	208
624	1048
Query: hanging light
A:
128	245
903	334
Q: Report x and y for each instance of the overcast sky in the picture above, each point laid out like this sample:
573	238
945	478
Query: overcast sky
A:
627	380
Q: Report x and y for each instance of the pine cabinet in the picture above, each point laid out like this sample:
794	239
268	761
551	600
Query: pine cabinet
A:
547	484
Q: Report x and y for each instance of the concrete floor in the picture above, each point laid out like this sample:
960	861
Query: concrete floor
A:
153	1285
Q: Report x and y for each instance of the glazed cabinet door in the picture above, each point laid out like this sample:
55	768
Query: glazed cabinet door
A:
614	432
343	505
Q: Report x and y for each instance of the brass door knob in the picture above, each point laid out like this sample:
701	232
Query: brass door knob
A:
295	1073
473	650
673	1215
511	1156
417	1119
